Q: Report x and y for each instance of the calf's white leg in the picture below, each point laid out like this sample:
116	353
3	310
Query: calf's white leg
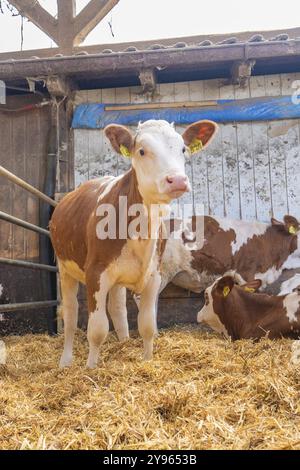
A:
69	290
98	325
147	314
118	311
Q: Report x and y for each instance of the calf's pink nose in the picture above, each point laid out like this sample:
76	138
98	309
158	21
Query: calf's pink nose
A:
177	183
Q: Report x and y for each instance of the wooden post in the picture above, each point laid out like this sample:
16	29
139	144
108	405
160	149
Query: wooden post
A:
68	30
66	12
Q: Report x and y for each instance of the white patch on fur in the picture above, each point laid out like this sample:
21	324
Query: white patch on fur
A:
208	316
244	230
1	290
269	276
288	286
292	305
176	258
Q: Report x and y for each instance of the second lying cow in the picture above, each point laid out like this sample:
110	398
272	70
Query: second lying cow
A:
238	312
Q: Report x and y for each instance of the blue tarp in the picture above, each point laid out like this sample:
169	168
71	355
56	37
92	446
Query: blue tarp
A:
94	116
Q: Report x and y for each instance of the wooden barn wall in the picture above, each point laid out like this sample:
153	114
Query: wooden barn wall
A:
23	151
251	170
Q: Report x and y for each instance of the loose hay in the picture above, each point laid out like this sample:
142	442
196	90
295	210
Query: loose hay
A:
199	392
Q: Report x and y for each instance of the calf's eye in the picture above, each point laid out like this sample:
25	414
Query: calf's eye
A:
142	152
183	150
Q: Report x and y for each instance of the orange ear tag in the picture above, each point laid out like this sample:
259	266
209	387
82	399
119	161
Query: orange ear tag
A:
125	151
226	291
292	230
249	289
196	146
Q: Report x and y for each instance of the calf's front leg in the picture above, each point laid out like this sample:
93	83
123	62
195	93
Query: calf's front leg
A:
98	325
147	323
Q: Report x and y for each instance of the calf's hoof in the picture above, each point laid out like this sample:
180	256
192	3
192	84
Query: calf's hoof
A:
65	361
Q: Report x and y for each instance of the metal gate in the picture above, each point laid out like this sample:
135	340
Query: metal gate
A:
12	307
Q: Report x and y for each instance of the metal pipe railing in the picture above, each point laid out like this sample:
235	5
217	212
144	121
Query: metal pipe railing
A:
15	179
22	223
5	308
28	264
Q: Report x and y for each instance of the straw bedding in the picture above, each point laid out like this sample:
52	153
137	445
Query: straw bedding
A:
199	392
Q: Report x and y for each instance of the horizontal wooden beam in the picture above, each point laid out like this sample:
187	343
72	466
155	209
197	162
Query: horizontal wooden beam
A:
143	45
143	106
133	62
38	16
90	16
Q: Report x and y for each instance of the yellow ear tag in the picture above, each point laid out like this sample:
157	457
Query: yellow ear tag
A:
249	289
196	146
226	291
125	151
292	230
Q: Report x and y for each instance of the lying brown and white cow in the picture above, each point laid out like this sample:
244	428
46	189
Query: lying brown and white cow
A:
113	262
254	250
237	312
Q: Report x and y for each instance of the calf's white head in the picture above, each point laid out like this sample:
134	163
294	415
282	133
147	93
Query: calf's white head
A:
158	153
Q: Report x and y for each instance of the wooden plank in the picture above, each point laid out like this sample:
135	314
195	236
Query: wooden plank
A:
226	90
287	80
292	158
6	187
196	90
122	95
231	171
186	202
166	93
182	93
242	93
212	89
108	95
257	86
177	104
200	181
19	194
246	171
273	85
32	176
109	158
262	171
215	175
137	96
276	138
81	156
94	96
94	154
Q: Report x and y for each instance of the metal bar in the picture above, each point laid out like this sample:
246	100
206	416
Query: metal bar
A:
27	186
23	223
27	306
27	264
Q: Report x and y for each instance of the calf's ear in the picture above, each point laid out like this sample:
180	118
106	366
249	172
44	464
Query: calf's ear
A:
224	286
252	286
291	224
121	139
198	135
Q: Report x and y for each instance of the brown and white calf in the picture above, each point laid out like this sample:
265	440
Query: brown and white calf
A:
254	250
238	313
85	253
